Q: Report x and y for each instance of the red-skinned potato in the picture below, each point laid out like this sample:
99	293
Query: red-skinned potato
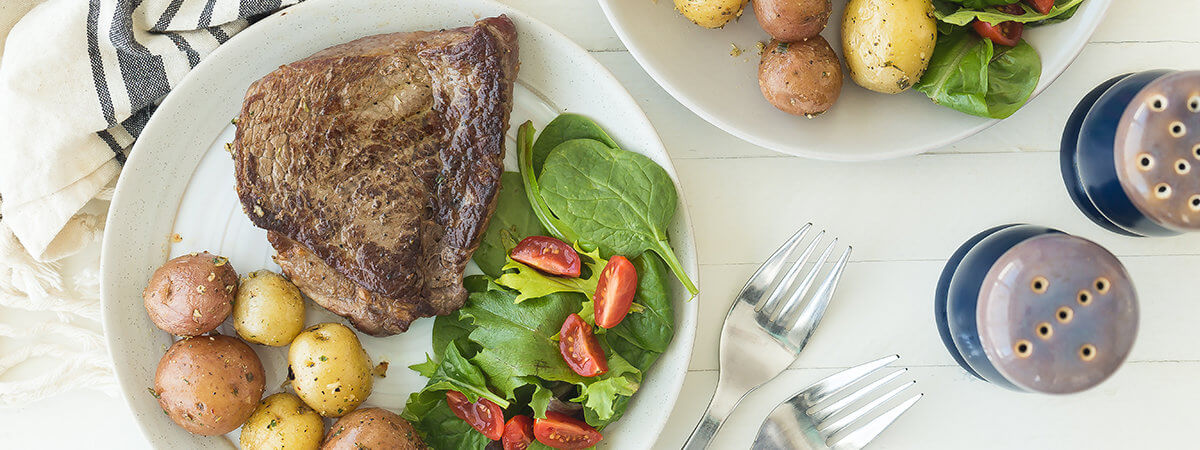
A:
209	385
792	20
192	294
372	428
802	78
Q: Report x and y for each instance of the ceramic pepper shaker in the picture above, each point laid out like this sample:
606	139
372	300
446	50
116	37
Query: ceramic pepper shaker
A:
1130	153
1034	309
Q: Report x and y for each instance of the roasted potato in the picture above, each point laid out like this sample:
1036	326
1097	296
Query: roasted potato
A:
191	295
282	421
372	428
209	384
792	20
888	43
268	309
801	78
711	13
333	372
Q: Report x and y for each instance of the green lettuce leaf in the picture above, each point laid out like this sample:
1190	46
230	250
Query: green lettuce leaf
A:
519	341
971	75
540	401
530	283
989	14
439	428
512	221
455	373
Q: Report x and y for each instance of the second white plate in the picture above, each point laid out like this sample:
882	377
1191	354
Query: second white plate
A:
695	66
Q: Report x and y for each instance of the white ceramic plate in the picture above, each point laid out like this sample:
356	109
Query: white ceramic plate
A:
694	65
179	179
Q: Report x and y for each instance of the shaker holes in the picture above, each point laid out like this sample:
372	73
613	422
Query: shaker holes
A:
1194	103
1182	167
1044	330
1087	352
1194	203
1023	348
1064	314
1102	285
1177	129
1158	103
1146	162
1162	191
1039	284
1084	297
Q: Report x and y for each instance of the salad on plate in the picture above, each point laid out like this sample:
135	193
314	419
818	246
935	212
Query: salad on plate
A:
572	307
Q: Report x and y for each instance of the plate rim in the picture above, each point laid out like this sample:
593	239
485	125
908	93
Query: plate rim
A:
683	339
1053	74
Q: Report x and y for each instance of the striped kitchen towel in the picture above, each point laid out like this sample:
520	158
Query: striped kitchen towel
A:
78	81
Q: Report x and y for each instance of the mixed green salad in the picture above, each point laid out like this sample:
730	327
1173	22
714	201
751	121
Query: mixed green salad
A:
981	64
574	304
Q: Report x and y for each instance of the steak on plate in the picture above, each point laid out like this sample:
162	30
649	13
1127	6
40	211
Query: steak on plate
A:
374	166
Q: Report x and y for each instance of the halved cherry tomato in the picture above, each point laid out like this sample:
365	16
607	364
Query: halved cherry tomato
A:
483	415
1042	6
548	255
1007	33
614	292
580	348
518	433
562	431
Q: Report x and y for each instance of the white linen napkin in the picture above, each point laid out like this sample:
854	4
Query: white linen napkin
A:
79	79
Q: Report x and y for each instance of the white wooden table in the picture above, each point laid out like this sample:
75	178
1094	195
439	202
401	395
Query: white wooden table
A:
904	218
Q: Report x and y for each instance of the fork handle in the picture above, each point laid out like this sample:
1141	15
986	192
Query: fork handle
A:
719	408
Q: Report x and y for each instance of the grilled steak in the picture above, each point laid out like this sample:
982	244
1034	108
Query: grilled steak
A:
374	165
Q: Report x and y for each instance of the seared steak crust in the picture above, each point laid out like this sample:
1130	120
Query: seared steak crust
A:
375	166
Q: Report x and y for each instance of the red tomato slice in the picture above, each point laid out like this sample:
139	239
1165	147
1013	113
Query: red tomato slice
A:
1007	33
562	431
614	293
548	255
580	348
484	415
1041	6
518	433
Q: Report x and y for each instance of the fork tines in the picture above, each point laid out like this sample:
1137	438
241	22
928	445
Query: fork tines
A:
838	411
780	311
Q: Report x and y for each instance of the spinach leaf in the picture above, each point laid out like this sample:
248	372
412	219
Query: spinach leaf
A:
437	424
530	283
455	373
512	221
619	200
520	339
565	127
451	328
652	328
547	218
968	74
964	16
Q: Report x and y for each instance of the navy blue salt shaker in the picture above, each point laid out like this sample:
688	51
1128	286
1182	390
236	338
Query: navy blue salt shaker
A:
1130	153
1034	309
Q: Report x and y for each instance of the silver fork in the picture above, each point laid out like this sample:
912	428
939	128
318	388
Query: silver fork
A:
799	424
764	332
